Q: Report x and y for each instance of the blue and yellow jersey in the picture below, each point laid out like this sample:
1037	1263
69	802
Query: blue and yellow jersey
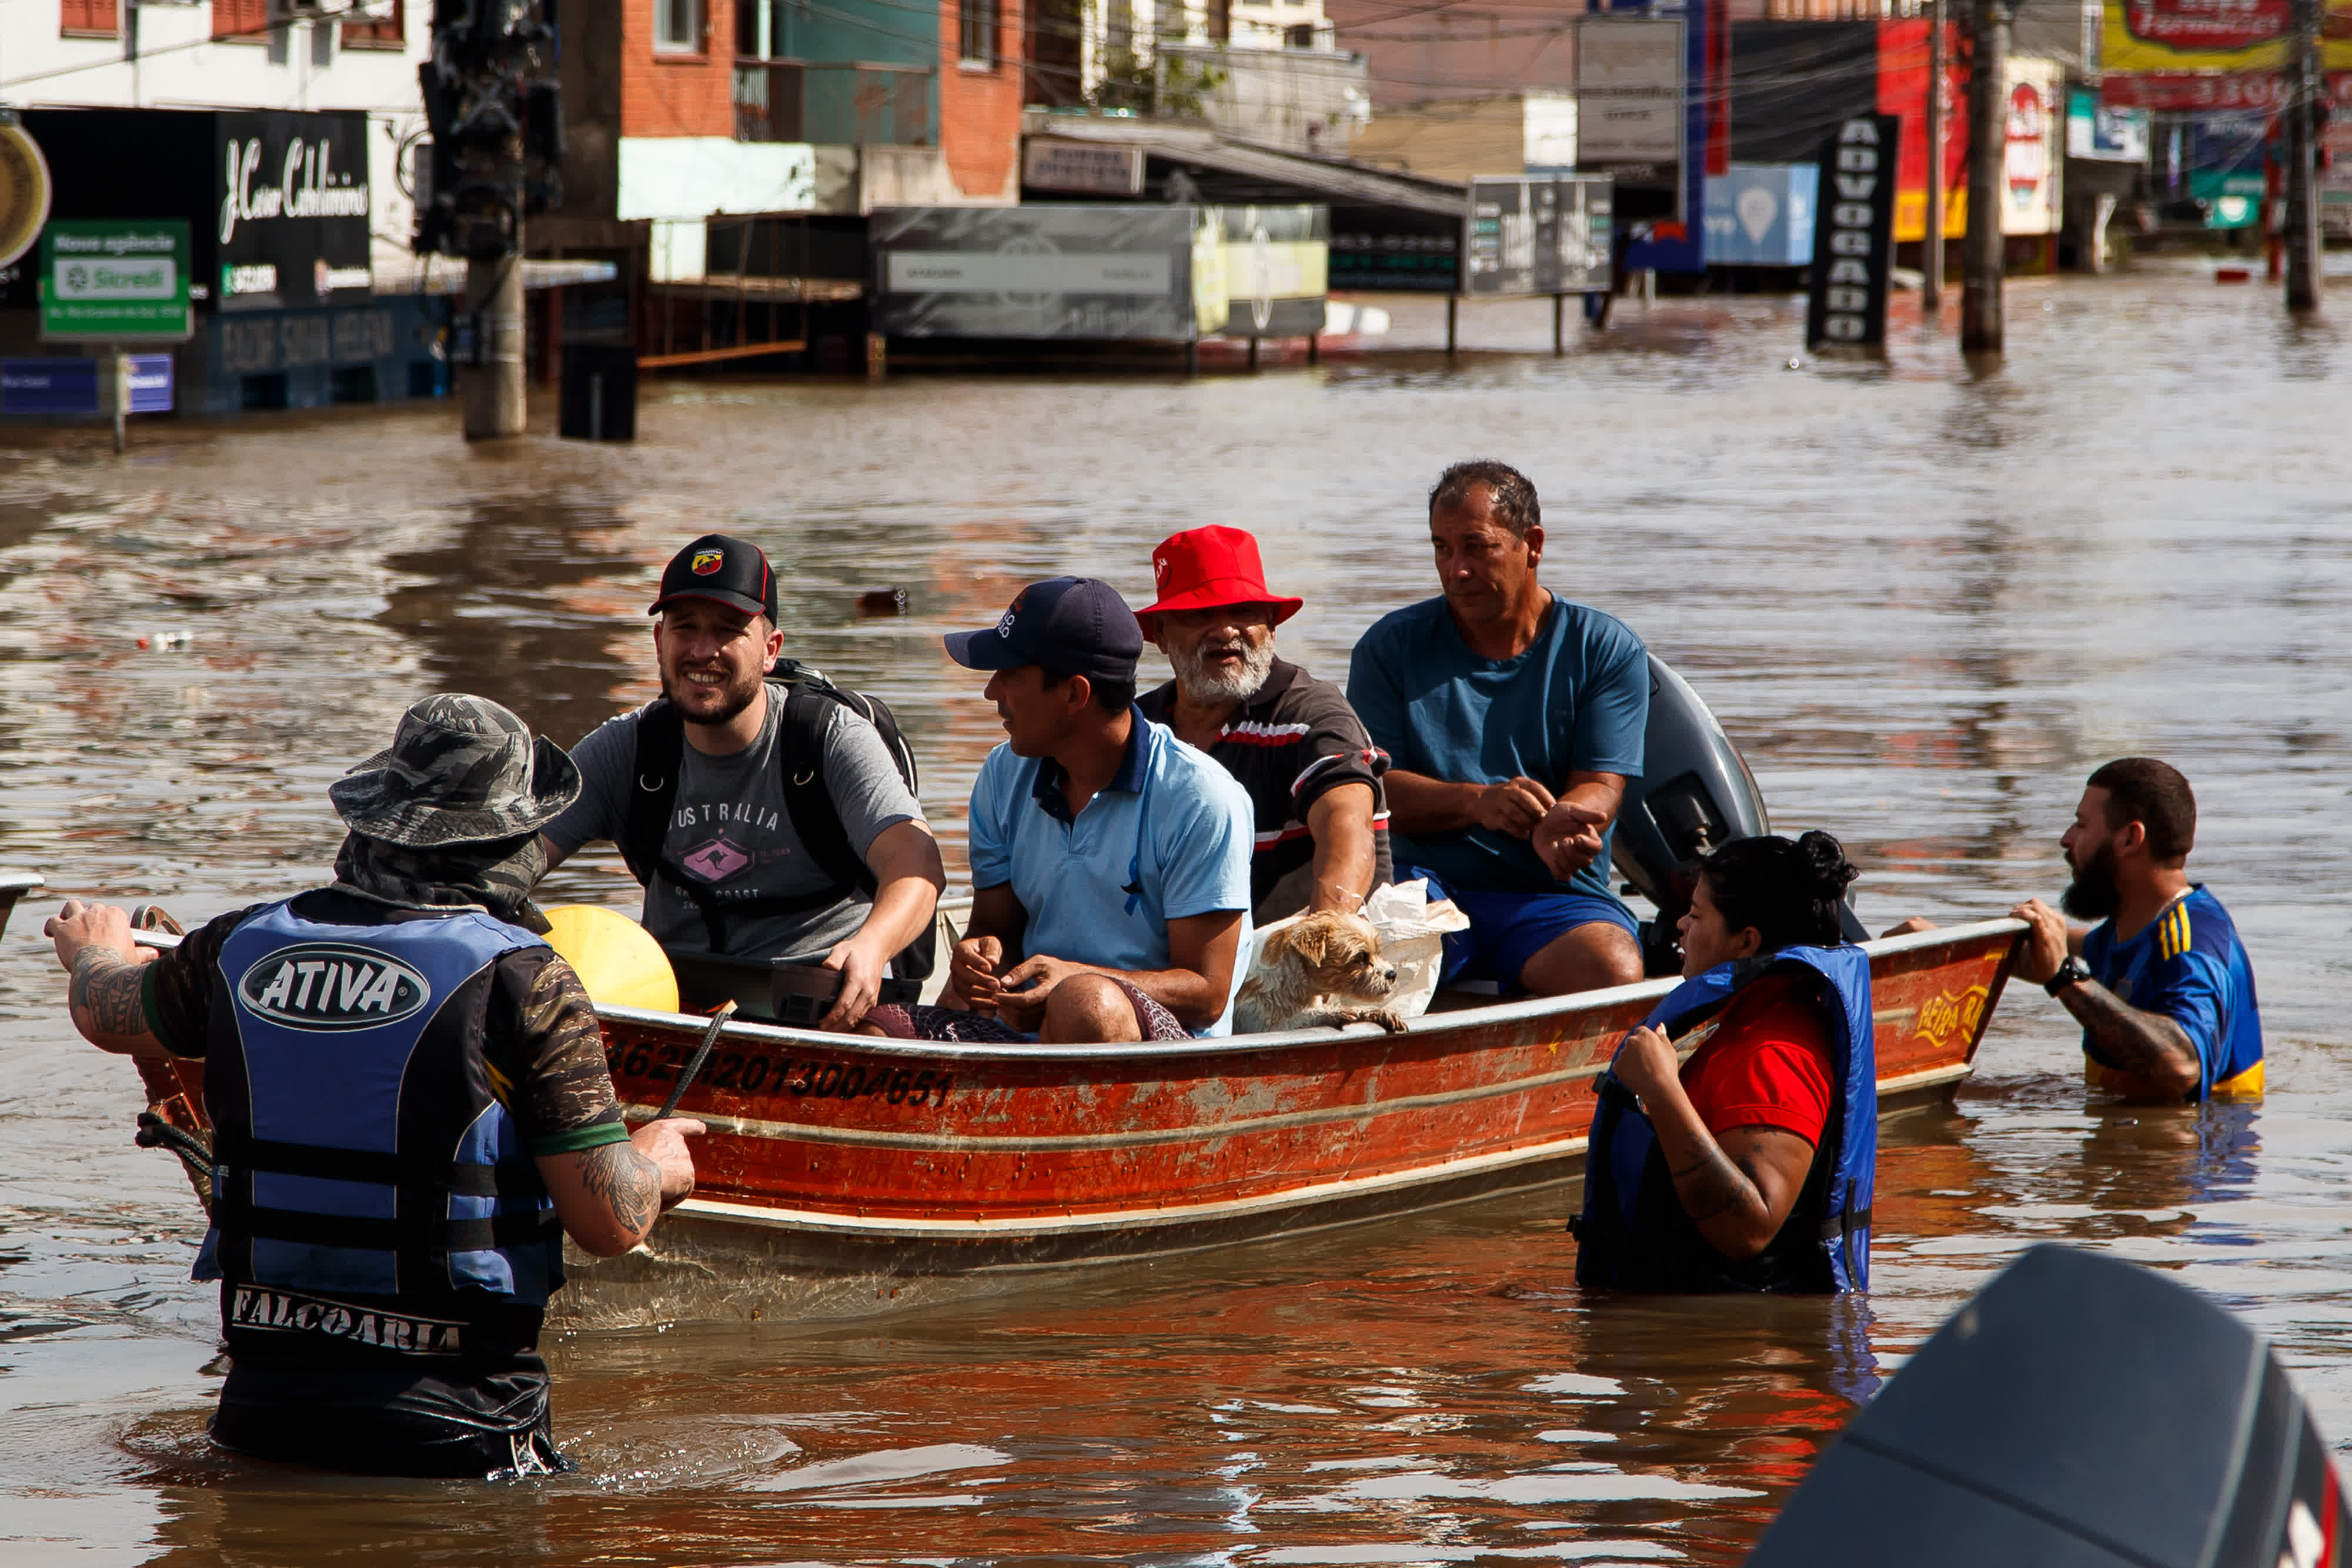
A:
2188	965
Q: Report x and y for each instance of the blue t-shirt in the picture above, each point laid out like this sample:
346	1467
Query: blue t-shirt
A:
1577	701
2189	965
1168	839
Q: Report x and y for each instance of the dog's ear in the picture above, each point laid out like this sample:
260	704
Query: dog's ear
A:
1310	939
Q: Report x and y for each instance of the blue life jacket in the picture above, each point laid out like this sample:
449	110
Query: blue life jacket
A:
1633	1233
358	1146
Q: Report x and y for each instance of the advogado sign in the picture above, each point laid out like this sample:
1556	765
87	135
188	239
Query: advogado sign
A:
1853	232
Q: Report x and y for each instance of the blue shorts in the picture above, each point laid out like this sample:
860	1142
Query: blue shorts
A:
1506	929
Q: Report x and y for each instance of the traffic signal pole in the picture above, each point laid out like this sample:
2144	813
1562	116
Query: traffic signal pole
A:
2298	141
497	122
1982	251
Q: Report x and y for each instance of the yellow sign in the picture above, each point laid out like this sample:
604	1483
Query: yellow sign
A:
2172	36
1952	1014
24	192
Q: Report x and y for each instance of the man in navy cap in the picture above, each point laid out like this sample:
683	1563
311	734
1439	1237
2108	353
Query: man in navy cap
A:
1110	862
766	819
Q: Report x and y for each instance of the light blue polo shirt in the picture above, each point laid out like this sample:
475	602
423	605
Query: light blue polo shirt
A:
1168	837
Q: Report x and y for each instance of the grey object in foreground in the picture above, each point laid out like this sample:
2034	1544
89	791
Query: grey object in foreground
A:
2080	1412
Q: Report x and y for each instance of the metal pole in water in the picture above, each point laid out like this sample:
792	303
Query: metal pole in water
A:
1559	331
119	393
1980	322
1450	301
2303	247
495	406
1931	248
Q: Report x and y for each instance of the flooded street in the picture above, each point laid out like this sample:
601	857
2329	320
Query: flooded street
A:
1925	604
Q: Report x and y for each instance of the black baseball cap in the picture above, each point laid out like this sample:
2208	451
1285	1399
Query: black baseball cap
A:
723	570
1065	625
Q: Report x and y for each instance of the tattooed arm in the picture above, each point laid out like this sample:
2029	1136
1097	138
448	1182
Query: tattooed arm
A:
104	994
2147	1045
1737	1188
609	1197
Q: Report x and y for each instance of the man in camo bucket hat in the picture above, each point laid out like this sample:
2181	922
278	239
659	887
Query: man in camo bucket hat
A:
410	1109
450	814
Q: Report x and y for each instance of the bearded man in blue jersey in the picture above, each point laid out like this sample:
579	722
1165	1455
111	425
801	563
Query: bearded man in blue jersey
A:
2160	982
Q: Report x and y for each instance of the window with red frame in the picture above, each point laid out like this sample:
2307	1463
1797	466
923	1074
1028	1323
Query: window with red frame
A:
388	34
245	19
90	18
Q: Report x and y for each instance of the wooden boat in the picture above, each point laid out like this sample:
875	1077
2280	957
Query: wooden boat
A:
839	1168
843	1171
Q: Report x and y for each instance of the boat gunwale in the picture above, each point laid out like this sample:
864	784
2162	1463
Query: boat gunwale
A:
1463	1019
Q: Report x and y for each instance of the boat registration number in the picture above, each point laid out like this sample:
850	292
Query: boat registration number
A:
754	1073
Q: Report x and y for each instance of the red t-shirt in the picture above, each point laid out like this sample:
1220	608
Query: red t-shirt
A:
1767	1062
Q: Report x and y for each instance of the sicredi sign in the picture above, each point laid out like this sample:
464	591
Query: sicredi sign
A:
1853	231
115	280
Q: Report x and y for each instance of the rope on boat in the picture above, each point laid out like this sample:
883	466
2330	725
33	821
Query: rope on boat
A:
154	1132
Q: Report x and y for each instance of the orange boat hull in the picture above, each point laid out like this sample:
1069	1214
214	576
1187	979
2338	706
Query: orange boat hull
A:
865	1158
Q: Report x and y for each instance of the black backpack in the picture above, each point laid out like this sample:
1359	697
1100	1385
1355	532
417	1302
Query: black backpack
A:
661	749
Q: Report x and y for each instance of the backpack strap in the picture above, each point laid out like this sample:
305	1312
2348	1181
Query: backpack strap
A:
800	763
653	788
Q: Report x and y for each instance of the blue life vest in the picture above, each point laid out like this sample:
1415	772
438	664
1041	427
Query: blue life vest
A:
358	1146
1633	1233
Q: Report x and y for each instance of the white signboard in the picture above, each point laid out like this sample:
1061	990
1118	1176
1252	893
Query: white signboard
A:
1085	168
1629	90
2032	158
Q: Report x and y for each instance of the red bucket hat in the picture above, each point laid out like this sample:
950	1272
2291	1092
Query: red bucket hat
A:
1201	568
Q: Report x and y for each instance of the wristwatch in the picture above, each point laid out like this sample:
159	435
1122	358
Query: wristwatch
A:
2070	970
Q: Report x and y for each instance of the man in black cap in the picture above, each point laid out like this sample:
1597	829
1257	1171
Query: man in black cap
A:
1110	862
765	818
410	1109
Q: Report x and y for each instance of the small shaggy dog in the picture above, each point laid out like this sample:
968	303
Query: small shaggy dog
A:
1322	968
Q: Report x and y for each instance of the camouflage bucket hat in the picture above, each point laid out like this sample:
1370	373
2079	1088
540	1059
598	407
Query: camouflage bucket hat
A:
461	770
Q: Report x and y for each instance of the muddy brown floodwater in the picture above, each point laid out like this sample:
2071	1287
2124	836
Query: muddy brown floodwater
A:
1926	605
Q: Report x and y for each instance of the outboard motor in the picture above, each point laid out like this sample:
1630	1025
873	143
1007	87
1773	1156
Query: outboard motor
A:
1695	793
2084	1411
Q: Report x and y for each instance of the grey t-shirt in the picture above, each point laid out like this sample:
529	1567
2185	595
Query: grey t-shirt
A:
727	828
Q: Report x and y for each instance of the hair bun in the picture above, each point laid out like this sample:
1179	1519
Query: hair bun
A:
1826	866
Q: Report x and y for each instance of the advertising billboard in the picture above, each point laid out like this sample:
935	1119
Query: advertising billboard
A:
1076	271
275	203
2032	158
115	280
1761	214
1277	265
1629	95
1537	234
1854	234
2211	54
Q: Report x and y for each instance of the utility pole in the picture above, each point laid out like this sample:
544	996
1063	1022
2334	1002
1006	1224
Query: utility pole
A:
496	120
1931	248
2298	141
1982	252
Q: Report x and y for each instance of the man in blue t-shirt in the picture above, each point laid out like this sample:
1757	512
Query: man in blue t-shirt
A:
2160	983
1110	862
1512	719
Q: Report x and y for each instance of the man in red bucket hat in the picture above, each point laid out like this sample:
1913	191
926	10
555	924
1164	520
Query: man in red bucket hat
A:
1292	741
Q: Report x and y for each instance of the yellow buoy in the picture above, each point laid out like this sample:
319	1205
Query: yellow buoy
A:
616	958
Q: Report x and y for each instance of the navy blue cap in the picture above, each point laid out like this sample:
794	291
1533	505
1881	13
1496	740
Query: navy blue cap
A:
1065	625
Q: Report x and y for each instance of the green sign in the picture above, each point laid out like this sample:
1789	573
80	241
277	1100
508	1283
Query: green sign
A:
115	280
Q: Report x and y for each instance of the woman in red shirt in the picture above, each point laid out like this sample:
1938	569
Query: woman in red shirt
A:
1740	1122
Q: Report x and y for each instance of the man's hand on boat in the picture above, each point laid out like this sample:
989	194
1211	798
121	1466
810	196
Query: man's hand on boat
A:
2048	938
862	969
95	946
608	1197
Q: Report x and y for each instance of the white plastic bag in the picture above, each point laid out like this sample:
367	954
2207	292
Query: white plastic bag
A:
1412	938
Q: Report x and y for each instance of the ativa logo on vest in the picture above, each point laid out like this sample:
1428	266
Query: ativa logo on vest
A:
328	986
